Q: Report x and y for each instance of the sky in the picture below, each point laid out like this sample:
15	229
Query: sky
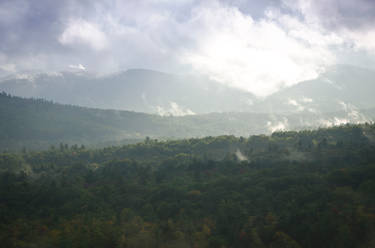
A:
260	46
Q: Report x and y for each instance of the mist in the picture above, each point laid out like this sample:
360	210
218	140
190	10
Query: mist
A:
187	123
200	68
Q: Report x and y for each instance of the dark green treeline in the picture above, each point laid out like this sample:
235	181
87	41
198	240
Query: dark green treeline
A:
290	189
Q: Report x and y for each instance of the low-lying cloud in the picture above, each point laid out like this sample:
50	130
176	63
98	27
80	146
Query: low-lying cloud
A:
173	110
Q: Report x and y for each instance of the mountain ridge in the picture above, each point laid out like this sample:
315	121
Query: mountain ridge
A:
151	91
37	124
136	89
336	89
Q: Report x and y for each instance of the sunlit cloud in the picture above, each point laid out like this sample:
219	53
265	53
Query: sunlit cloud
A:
78	67
259	47
79	31
259	56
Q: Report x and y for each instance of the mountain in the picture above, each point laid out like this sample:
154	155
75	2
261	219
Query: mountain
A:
136	90
37	124
182	107
340	88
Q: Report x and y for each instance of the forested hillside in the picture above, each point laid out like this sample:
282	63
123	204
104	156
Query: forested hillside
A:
290	189
37	124
187	124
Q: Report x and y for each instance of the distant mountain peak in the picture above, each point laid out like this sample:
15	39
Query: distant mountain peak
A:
127	90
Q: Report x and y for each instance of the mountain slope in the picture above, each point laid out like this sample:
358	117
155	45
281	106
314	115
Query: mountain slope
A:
136	90
341	88
37	124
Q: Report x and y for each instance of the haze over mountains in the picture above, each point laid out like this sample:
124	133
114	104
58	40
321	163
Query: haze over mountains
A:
180	107
187	123
135	90
38	124
340	88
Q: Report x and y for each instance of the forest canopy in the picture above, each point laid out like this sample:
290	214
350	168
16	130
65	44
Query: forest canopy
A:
289	189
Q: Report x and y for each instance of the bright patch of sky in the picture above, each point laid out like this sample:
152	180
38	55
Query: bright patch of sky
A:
259	46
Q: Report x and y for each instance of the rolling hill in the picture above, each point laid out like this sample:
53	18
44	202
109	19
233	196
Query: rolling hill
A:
37	124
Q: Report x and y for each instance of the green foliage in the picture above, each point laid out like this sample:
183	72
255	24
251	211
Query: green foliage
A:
294	189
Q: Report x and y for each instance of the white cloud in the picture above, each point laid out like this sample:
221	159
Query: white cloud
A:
296	104
79	31
353	114
306	100
25	76
173	110
213	39
274	126
78	67
240	156
307	32
8	67
361	39
259	56
289	44
329	16
5	65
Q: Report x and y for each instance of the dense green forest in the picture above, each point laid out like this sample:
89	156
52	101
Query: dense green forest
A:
289	189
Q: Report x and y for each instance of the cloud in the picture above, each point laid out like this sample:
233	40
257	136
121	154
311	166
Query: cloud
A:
5	66
173	110
80	31
296	104
361	39
12	12
78	67
351	21
306	100
240	156
259	46
259	56
335	14
351	114
277	125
